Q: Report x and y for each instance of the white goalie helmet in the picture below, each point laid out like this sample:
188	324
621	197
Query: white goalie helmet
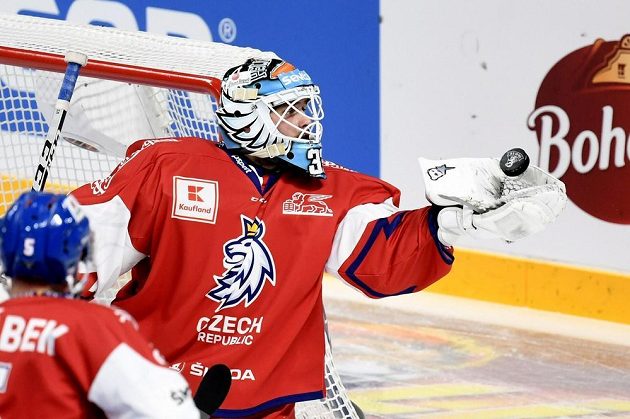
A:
258	92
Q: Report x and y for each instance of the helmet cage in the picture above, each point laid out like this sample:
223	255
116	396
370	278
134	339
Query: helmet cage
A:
303	101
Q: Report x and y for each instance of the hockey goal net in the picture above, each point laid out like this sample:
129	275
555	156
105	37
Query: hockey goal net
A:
134	86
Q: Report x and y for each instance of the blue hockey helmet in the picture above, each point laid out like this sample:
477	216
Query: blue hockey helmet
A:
43	237
254	91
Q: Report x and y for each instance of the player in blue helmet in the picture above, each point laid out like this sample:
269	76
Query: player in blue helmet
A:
87	350
272	112
43	237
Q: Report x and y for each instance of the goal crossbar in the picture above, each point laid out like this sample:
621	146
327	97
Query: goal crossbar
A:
114	46
112	71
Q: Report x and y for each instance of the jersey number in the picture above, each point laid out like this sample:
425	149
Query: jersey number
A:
29	246
315	156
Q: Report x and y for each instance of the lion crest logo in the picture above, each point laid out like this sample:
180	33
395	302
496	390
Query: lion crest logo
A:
248	265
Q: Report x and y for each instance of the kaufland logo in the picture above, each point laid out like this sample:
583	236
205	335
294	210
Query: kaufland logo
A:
582	122
193	193
195	199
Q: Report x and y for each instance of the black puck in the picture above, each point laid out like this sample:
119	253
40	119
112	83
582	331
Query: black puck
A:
514	162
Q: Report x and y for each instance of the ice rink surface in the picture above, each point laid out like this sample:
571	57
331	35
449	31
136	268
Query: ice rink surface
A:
433	356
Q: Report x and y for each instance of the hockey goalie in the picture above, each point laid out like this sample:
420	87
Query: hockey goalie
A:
228	242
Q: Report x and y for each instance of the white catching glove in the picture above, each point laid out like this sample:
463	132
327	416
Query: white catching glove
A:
482	202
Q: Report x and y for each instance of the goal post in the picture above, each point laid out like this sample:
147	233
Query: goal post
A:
134	85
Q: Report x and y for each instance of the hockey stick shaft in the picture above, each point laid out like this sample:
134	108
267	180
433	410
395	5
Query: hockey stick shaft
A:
75	62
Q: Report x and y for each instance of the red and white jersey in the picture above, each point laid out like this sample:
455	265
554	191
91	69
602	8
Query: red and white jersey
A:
228	263
73	359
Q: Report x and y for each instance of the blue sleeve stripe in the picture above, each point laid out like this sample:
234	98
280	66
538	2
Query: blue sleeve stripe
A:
280	401
387	227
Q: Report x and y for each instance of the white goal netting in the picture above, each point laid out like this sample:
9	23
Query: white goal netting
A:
135	86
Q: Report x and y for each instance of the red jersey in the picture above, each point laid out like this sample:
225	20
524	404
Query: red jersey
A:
228	261
72	359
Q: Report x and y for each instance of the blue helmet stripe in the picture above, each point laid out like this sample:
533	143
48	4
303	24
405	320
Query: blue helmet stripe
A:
284	81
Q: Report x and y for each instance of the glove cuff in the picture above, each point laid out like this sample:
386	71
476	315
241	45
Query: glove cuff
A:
445	250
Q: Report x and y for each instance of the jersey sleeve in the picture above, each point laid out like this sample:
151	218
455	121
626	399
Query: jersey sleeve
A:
120	241
123	374
129	386
381	250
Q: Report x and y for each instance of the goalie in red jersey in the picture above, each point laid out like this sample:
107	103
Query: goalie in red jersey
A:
60	356
228	242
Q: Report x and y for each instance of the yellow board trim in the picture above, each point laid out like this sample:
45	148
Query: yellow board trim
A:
11	188
536	284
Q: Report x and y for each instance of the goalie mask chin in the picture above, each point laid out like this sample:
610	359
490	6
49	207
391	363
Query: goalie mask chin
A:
251	93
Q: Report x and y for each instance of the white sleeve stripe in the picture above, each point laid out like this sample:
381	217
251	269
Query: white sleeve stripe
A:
352	228
114	253
128	386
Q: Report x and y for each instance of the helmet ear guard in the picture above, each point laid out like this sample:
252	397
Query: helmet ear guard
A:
251	93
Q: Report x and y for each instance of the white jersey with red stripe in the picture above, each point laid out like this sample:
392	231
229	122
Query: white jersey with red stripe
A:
228	260
70	358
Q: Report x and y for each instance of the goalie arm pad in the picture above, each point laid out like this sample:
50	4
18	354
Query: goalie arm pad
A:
481	202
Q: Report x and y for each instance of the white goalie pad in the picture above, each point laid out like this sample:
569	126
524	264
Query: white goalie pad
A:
482	202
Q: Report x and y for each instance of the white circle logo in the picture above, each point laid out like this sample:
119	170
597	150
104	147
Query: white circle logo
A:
227	30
